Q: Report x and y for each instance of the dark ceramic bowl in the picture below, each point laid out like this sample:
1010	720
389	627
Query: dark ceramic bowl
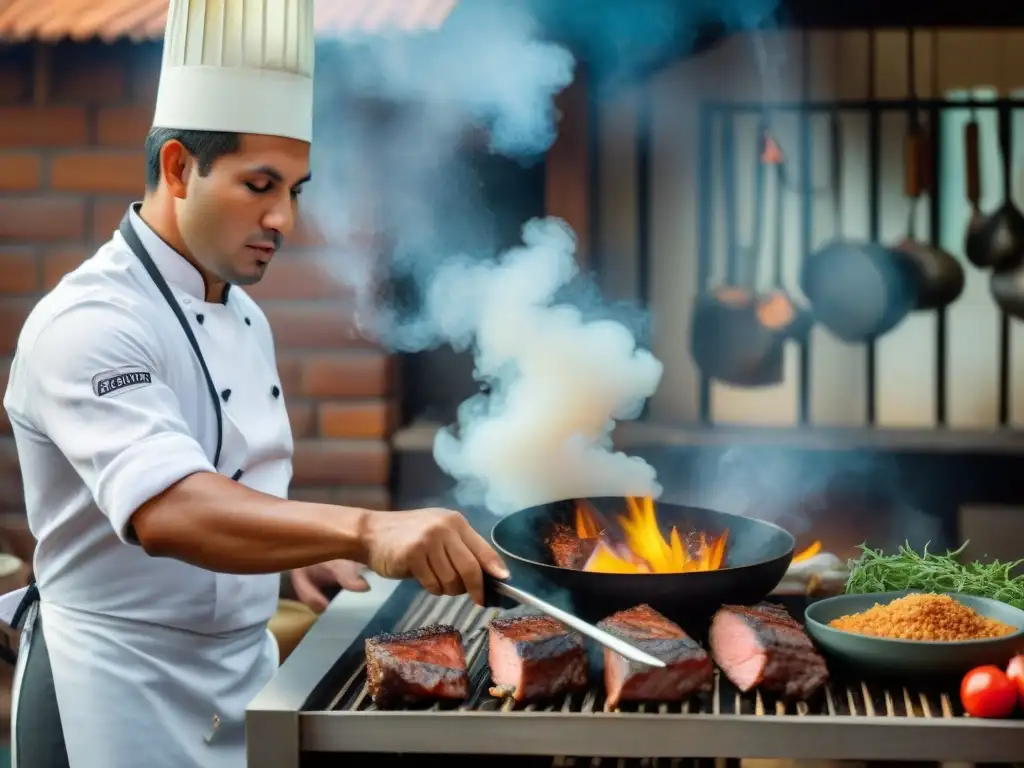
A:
916	657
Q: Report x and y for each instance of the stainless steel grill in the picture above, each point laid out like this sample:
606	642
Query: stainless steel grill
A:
839	699
852	720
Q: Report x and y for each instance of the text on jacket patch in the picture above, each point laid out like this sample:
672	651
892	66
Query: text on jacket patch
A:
111	383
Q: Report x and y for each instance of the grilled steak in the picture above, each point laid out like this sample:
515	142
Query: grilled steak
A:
688	666
764	646
535	657
427	663
568	550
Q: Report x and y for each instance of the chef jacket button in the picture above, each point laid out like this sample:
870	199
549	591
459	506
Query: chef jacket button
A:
226	394
215	723
237	476
248	321
276	391
200	318
186	301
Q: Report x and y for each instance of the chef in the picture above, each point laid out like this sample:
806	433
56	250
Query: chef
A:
154	440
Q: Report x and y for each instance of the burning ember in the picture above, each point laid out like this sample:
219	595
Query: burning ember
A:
642	548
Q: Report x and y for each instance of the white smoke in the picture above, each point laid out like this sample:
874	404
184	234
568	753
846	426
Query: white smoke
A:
544	431
558	379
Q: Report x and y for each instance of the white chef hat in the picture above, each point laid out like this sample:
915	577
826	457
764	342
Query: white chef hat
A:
239	66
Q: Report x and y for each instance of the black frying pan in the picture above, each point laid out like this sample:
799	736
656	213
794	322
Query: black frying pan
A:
757	557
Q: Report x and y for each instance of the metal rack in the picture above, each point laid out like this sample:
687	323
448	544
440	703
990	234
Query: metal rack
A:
722	115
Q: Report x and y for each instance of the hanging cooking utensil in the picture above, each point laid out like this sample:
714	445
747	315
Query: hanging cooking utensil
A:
999	239
975	242
777	309
1007	288
940	278
1007	283
728	340
858	290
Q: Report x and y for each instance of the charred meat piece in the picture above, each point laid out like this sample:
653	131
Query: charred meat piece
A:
763	646
535	657
688	667
424	664
568	549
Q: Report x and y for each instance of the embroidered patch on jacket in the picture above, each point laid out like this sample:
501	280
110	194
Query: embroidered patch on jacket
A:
110	383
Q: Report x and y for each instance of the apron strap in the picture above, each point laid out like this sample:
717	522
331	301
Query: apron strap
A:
31	596
9	632
131	237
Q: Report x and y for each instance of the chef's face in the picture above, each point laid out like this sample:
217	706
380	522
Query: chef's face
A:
234	219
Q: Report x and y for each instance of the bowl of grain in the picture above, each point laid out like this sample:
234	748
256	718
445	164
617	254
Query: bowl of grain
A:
916	632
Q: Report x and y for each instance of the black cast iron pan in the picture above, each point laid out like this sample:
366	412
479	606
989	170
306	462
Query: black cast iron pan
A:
757	557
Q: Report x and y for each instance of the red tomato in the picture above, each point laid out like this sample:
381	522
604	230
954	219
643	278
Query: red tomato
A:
987	692
1015	671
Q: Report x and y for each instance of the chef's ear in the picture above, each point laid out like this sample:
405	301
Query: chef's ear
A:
175	162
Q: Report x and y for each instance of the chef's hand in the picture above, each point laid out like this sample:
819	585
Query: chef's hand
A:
310	582
437	547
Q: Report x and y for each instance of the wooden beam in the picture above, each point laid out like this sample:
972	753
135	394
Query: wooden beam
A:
567	180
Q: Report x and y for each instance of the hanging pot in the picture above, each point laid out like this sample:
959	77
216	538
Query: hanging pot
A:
997	241
729	342
858	290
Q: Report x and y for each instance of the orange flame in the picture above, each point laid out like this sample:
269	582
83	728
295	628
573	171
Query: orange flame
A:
586	522
644	548
808	553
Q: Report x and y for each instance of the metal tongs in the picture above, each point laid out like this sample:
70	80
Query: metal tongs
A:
608	640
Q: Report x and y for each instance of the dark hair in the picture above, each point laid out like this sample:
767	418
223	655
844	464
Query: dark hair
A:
205	146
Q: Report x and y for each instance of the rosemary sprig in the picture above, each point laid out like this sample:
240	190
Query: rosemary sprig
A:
875	571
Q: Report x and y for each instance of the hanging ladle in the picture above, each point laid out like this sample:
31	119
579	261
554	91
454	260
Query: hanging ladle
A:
729	341
940	278
1007	283
777	309
997	242
975	241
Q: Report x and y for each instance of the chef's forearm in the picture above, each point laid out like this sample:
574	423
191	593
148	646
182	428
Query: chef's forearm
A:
215	523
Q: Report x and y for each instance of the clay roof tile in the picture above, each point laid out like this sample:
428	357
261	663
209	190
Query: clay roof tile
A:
142	20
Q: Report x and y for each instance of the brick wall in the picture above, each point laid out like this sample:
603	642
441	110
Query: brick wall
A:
72	121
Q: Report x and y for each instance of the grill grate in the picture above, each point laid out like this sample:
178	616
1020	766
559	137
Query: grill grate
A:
841	698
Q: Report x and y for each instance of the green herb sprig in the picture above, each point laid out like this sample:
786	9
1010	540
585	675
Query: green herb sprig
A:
929	572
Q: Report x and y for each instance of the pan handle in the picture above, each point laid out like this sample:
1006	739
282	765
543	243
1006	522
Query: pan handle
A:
760	183
1006	148
912	186
836	141
752	252
973	167
836	169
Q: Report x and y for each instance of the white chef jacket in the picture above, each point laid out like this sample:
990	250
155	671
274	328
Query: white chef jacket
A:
154	660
